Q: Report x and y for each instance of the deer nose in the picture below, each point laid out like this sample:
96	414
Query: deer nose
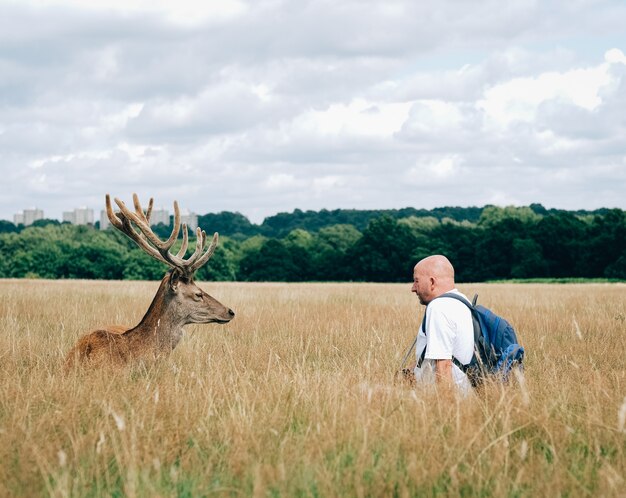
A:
231	313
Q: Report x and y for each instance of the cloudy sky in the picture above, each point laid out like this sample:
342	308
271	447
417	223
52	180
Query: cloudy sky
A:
266	106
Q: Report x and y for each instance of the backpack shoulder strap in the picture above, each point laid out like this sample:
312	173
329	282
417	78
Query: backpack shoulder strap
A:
421	358
460	298
469	305
463	368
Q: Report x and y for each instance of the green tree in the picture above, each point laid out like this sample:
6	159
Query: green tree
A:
617	269
527	259
460	244
62	251
605	243
223	264
561	237
33	252
299	243
383	253
493	215
424	224
7	227
494	249
139	266
273	262
328	254
94	261
229	224
163	231
45	222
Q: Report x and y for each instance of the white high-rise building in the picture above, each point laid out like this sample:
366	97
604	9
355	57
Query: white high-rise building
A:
160	216
84	216
157	216
28	216
104	220
80	216
190	218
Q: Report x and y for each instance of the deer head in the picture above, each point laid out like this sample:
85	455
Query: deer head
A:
180	299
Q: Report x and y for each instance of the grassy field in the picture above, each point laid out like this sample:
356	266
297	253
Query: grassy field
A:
296	397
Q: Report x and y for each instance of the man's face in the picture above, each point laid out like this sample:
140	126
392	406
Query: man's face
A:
422	285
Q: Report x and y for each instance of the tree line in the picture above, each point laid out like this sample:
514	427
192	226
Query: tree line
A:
489	243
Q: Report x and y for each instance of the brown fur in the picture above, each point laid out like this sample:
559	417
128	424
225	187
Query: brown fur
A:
178	302
108	345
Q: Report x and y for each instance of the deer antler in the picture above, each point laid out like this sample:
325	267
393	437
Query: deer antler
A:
150	243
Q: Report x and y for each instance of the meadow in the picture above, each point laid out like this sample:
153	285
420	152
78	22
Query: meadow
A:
296	397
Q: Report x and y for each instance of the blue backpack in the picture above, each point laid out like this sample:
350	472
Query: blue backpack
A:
496	350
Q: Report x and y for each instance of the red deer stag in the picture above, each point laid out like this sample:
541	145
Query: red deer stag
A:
178	302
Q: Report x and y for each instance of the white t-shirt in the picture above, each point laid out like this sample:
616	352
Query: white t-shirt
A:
450	333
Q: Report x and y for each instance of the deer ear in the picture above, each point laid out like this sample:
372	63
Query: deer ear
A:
175	278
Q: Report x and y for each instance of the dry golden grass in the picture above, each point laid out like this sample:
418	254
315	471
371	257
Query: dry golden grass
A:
296	397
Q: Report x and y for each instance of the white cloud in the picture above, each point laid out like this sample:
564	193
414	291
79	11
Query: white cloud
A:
282	181
357	117
184	12
433	170
434	117
323	185
268	106
615	56
518	99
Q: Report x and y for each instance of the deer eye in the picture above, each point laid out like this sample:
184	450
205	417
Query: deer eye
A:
198	296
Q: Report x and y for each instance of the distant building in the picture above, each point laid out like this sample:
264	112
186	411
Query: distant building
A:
190	218
104	220
160	216
80	216
157	216
28	217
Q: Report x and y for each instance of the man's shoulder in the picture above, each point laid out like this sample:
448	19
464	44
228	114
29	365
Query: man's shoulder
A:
446	305
448	298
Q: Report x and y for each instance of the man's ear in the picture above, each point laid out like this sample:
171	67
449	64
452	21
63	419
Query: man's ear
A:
175	278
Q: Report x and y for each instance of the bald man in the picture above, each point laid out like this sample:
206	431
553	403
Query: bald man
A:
449	331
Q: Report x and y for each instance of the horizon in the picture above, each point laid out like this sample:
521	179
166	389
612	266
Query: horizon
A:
96	212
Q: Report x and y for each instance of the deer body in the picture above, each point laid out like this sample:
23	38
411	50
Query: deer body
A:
178	301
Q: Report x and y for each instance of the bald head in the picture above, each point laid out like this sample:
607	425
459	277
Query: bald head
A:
438	266
432	276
